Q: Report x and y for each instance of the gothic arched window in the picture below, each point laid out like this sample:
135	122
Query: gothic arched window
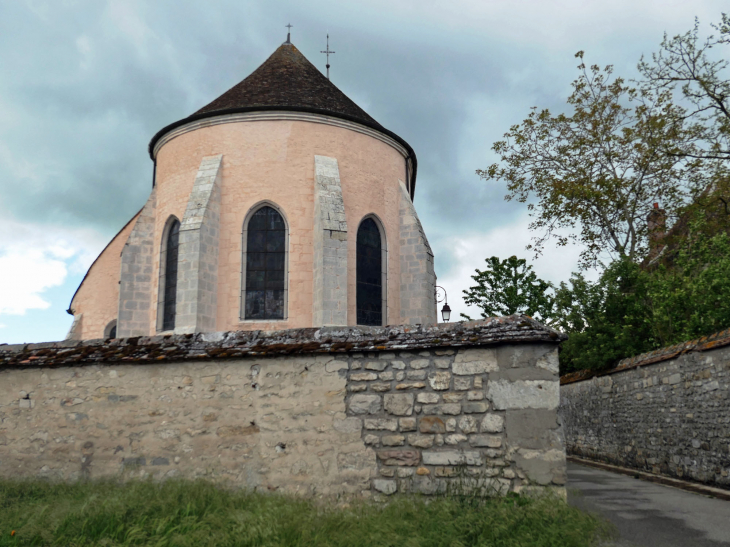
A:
264	290
168	275
370	274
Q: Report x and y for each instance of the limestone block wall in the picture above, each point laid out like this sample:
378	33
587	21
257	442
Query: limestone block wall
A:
328	411
667	412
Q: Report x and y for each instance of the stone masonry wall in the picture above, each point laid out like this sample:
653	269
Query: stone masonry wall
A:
666	413
315	411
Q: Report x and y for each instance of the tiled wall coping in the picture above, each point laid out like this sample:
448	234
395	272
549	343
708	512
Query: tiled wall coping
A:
713	341
236	344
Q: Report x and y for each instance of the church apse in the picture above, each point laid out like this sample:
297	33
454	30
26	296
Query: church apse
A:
285	136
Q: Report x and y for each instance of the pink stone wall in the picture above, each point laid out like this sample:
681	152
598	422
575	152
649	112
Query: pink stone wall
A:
98	296
274	160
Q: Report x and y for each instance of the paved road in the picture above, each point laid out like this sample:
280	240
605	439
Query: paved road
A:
648	514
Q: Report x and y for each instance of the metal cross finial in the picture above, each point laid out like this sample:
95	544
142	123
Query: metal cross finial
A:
288	33
327	51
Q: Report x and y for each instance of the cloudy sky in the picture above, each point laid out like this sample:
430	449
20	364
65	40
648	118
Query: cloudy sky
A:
84	84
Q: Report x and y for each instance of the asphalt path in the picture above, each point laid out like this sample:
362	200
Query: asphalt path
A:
646	514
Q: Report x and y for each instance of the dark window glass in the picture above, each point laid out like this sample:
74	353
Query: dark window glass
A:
113	332
170	296
265	262
369	274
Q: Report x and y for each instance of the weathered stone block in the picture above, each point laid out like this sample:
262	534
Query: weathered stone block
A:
450	397
381	424
407	424
431	424
421	441
455	439
392	440
365	404
476	407
534	429
400	404
400	457
442	363
524	394
452	409
439	380
475	361
363	376
462	384
410	385
486	441
452	457
492	423
428	398
475	396
385	486
468	424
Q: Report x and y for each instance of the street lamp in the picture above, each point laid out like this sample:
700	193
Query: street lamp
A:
445	311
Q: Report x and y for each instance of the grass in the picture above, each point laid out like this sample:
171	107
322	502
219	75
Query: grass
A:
187	513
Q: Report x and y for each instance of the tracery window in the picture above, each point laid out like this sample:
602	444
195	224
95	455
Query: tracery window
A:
264	294
370	274
169	260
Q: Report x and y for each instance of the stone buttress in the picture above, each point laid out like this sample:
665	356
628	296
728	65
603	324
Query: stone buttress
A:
330	246
197	284
417	275
135	282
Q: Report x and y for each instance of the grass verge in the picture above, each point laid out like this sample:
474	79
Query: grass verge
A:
198	513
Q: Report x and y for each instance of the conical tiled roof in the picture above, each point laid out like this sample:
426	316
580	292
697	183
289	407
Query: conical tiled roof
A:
287	79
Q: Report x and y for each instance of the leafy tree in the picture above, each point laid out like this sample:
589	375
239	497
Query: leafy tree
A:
684	65
613	318
632	310
595	174
509	286
696	73
690	297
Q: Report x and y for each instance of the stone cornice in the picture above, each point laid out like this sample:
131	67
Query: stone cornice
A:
237	344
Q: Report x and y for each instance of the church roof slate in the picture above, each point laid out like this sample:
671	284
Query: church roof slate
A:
288	81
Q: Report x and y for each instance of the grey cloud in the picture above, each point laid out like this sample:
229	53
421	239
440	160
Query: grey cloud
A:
85	85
